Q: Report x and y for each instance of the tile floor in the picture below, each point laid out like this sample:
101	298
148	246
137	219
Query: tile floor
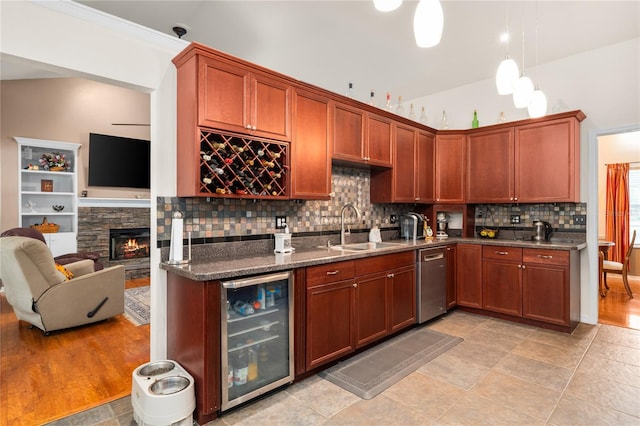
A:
503	373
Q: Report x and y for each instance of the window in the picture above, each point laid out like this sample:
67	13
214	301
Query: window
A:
634	201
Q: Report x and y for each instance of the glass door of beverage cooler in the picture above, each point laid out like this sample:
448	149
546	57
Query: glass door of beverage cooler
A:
256	336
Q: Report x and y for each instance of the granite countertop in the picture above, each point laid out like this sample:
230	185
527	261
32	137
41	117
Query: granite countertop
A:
224	268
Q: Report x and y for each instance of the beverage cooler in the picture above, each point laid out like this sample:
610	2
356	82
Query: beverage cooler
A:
257	336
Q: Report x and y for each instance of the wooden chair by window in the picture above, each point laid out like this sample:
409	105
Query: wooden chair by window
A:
621	268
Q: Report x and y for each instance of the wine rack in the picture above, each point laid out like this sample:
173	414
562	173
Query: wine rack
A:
238	166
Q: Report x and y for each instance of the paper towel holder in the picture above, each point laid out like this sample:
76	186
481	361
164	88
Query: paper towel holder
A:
177	241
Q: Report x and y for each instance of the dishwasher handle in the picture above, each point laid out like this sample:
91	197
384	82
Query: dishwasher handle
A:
245	282
432	257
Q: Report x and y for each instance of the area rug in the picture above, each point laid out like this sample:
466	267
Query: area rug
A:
137	305
370	372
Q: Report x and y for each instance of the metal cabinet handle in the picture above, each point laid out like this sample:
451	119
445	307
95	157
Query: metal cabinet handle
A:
502	253
390	275
524	267
544	256
337	271
355	285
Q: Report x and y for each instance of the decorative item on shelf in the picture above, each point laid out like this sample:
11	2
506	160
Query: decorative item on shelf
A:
46	185
400	107
55	162
475	123
350	92
31	205
444	125
502	118
57	207
423	117
412	113
46	227
486	232
372	98
387	104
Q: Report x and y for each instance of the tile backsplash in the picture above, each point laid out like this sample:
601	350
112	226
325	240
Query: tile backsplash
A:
249	219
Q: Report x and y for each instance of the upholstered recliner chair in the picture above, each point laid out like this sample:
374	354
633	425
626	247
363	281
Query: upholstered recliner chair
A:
42	294
63	259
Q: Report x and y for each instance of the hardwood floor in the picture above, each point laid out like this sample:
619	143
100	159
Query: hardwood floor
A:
616	308
44	378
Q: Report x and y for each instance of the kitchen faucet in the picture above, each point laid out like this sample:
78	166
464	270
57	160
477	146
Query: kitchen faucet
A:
342	231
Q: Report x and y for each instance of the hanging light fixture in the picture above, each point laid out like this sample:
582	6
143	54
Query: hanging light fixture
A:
387	5
538	103
508	72
524	86
428	23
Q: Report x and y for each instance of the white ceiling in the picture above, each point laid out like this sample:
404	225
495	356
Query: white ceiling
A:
331	43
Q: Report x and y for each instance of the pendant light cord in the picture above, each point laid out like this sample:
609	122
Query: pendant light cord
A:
523	66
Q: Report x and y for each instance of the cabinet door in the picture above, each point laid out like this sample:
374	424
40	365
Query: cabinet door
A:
61	243
223	97
450	166
371	313
547	161
402	295
270	107
348	134
378	146
469	275
404	165
502	286
330	322
451	276
545	293
425	166
310	149
490	167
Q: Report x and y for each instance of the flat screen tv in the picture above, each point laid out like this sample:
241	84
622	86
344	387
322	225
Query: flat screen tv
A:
119	162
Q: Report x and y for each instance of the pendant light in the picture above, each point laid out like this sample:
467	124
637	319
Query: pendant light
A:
428	22
524	86
538	103
387	5
508	72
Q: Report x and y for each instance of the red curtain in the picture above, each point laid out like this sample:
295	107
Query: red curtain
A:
617	213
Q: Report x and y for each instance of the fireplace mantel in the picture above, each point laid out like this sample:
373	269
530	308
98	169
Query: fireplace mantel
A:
114	202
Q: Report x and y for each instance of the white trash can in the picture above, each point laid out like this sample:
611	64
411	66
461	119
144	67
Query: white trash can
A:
162	394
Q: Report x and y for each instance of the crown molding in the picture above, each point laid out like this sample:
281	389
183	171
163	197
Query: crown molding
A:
114	23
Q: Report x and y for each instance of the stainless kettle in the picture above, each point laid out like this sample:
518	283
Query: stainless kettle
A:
542	231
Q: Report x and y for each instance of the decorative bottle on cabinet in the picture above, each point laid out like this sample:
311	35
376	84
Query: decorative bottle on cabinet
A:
475	123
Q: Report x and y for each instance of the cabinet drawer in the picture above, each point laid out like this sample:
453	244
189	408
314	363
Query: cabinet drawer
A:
330	272
371	265
502	253
546	257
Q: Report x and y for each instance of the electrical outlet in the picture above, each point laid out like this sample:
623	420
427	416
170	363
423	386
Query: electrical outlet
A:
393	218
515	219
281	221
580	219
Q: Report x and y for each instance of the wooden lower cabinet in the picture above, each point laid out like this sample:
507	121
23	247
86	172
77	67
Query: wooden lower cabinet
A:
330	322
546	294
502	279
342	316
469	275
450	254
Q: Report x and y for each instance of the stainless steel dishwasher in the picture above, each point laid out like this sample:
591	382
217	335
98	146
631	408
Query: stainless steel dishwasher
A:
432	283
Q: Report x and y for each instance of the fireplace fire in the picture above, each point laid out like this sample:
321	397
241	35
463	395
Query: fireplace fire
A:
127	244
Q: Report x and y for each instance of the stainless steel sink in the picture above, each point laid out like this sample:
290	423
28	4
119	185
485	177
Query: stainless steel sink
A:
355	247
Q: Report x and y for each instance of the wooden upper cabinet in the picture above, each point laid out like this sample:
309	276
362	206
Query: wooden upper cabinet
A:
348	133
490	165
361	138
547	158
378	145
425	175
450	156
533	161
235	98
404	167
311	151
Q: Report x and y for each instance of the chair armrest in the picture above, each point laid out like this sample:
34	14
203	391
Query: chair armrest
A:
68	303
81	267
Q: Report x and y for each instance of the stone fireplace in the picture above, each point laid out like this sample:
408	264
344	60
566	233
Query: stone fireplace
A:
98	226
